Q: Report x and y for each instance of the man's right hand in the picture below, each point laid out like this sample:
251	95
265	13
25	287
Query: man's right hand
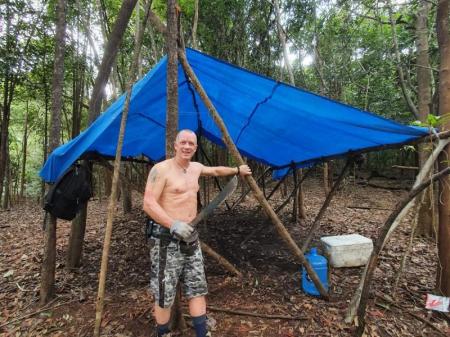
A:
182	230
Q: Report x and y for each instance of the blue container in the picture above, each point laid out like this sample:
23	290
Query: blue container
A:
320	266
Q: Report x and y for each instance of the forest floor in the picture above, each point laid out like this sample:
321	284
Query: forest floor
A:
270	286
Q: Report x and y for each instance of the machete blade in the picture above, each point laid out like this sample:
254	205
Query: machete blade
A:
219	199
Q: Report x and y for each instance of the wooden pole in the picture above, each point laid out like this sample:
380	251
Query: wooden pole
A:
113	196
282	231
423	173
378	246
324	207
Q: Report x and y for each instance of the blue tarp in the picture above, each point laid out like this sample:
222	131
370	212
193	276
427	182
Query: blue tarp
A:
271	122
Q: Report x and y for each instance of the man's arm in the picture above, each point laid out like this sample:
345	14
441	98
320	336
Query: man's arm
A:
153	190
243	170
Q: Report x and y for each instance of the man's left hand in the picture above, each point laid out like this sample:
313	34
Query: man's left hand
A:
244	170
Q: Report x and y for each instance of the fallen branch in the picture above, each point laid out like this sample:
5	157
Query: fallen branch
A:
47	307
219	258
423	320
406	167
254	314
371	207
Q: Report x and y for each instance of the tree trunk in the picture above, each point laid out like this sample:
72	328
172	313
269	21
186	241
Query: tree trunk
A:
300	197
425	225
7	193
75	246
6	106
194	25
177	321
48	261
172	78
127	204
442	27
24	152
400	73
104	71
114	40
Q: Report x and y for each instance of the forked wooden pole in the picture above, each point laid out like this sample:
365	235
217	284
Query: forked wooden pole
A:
250	180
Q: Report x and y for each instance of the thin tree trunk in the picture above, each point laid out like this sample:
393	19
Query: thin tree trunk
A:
172	78
104	72
8	88
299	196
425	224
7	193
443	35
75	245
114	40
48	261
194	25
24	152
127	203
401	76
138	30
177	321
326	186
45	147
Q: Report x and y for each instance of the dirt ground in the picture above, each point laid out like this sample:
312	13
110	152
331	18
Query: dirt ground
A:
270	286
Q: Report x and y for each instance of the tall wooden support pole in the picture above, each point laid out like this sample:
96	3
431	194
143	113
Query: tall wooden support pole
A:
443	37
324	207
250	180
115	183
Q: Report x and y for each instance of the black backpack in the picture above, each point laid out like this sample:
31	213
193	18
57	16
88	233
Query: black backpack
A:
69	193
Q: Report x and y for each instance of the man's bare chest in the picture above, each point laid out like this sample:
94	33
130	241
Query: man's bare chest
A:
182	183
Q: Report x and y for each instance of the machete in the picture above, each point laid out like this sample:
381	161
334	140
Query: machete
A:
219	199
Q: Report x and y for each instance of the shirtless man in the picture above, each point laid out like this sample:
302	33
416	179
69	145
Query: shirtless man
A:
170	200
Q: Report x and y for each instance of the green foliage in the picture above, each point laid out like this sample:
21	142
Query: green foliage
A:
349	42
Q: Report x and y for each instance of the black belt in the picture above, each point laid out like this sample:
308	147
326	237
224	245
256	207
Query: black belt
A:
155	230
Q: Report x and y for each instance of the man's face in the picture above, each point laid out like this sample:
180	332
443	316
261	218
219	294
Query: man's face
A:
185	145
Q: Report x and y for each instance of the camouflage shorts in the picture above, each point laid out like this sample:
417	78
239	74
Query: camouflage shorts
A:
170	264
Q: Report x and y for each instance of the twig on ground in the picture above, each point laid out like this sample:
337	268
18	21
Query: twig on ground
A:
423	320
254	314
47	307
371	207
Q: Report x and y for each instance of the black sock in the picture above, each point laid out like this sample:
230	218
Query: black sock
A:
200	325
162	329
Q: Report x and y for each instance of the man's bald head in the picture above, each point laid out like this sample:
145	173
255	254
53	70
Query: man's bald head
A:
184	131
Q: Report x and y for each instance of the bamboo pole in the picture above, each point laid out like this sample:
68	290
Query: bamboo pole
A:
282	231
113	197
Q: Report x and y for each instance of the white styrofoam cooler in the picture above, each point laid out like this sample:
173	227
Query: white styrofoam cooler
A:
351	250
